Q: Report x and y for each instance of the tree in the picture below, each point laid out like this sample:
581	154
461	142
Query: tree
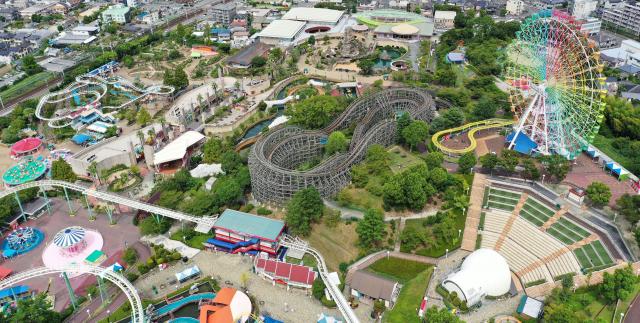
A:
143	117
403	121
629	207
311	40
212	150
489	161
556	165
336	143
62	171
258	62
466	162
417	131
177	78
130	256
315	112
36	310
531	171
366	66
204	203
509	160
445	77
227	191
485	108
371	229
30	66
598	193
619	285
150	225
434	159
305	208
317	289
442	315
231	162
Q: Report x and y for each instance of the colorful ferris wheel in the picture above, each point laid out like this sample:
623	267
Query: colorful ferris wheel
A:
556	89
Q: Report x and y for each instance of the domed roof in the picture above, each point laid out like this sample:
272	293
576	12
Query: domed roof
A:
68	237
360	27
483	272
405	29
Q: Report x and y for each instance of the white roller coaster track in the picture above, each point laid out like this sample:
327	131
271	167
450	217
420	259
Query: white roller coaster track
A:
208	222
82	87
336	294
137	312
114	198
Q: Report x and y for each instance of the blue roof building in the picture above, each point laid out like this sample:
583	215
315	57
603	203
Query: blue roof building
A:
455	58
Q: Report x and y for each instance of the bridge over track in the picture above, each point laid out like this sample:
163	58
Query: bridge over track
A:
115	198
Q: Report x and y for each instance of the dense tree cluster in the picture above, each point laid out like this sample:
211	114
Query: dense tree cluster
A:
9	205
304	209
22	116
336	143
316	112
177	78
36	309
371	229
598	193
61	170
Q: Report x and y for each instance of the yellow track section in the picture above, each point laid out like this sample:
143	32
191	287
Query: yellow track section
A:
476	126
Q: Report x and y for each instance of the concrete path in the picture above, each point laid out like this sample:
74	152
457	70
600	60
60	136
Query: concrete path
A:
169	244
473	214
414	54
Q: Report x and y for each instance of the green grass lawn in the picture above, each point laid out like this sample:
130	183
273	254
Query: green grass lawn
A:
409	299
398	269
400	159
28	83
361	199
604	144
195	241
440	249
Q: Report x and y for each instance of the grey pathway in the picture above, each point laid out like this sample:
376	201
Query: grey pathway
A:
414	55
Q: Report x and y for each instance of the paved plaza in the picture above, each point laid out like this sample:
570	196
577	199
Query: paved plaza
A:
115	238
227	270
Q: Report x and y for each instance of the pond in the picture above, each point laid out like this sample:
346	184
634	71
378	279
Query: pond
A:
386	57
257	128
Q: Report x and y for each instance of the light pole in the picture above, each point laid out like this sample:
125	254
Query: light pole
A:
446	253
459	233
108	316
543	178
88	312
621	316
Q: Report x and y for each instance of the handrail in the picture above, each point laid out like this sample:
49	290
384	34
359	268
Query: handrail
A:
137	311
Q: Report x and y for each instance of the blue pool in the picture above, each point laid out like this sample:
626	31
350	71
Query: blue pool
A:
182	302
184	320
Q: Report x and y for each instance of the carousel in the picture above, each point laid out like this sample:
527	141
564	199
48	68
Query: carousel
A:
71	245
20	241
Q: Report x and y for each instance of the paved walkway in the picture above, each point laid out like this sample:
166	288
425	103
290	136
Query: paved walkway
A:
169	244
228	269
473	214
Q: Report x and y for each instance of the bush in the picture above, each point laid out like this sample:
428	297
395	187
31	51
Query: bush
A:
248	208
264	211
143	269
130	256
328	303
132	277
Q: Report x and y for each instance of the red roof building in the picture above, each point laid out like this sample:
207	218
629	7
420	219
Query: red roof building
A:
285	273
25	147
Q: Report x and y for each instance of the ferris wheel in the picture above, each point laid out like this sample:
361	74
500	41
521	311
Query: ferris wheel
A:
556	89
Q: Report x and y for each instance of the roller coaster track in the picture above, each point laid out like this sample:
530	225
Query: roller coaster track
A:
114	198
125	285
137	312
97	87
336	294
275	156
475	127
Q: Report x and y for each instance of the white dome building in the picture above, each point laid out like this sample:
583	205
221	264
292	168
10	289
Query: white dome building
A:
483	273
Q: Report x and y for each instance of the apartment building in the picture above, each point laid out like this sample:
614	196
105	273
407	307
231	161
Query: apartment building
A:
625	17
223	13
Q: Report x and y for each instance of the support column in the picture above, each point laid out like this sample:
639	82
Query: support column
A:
157	217
103	295
46	198
110	213
72	295
66	197
24	217
86	200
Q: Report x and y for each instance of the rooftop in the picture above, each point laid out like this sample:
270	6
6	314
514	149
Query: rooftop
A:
444	15
117	10
178	148
225	6
372	285
314	14
249	225
282	28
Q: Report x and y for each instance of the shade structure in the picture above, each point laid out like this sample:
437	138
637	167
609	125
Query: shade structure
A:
25	146
70	240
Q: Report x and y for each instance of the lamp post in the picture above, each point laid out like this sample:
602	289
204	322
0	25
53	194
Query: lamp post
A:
446	253
459	233
543	178
621	316
88	312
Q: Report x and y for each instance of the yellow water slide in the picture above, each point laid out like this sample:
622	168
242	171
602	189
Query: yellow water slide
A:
472	128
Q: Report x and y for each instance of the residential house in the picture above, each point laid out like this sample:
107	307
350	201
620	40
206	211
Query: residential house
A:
444	20
370	287
118	13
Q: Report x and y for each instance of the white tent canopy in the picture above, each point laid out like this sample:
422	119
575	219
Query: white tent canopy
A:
177	149
206	170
